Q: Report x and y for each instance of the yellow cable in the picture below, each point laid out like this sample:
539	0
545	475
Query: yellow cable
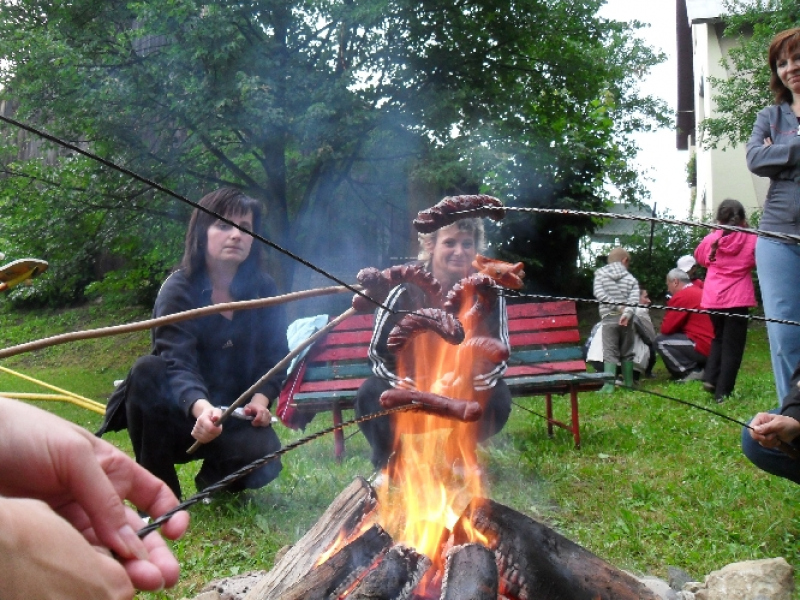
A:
89	401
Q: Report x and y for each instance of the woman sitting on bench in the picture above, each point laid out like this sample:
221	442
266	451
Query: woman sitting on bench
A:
447	254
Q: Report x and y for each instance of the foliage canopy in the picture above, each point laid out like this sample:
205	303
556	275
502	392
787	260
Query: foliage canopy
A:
746	91
332	113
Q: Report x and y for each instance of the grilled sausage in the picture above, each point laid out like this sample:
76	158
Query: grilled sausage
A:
451	408
453	208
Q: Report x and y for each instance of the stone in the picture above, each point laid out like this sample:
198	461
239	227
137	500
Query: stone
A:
677	578
231	588
768	579
659	587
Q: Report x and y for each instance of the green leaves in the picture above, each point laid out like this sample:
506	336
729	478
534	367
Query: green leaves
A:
324	111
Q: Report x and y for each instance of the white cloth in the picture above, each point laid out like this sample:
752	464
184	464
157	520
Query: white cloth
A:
299	331
641	351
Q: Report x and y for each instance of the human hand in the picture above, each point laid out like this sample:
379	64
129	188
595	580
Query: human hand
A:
257	408
769	429
767	141
84	480
44	556
206	428
624	320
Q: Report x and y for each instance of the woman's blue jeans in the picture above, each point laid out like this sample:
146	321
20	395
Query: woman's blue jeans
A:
778	268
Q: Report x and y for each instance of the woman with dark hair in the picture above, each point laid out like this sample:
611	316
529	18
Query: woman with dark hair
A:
774	151
447	254
174	396
729	258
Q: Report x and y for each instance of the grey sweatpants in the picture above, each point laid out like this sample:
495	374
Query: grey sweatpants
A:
679	354
617	340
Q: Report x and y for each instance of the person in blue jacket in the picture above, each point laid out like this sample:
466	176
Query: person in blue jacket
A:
173	397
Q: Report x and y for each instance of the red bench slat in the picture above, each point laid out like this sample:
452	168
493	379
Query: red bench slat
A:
334	385
542	323
565	336
541	309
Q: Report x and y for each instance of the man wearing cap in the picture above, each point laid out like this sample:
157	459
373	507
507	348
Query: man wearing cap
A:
688	265
685	339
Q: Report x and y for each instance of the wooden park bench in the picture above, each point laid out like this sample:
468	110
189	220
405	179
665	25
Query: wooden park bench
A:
546	360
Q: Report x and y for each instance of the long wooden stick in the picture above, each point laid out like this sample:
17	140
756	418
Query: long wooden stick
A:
173	318
280	365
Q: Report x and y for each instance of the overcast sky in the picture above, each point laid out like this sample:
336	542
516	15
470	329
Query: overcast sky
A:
658	158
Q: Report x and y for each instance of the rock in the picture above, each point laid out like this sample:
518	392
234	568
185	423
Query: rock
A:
659	587
678	578
768	579
231	588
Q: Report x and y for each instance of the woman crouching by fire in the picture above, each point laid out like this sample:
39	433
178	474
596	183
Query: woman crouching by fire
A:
447	254
172	397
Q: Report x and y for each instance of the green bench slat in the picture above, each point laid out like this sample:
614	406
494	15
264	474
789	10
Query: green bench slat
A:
340	371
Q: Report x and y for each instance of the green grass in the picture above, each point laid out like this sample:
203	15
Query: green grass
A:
655	484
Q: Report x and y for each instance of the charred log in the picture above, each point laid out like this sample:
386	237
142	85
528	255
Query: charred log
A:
343	517
394	578
470	573
338	574
535	562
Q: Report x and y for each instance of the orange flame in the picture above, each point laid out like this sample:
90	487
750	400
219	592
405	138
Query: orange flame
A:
434	472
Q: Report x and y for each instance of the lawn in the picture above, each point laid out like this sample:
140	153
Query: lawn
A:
656	483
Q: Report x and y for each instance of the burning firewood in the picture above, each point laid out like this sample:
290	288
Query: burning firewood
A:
470	573
453	208
536	562
342	519
396	575
340	572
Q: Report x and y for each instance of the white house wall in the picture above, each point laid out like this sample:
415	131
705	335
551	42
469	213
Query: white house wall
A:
721	172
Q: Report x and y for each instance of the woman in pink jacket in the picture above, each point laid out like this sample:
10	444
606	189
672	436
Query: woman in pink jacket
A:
729	258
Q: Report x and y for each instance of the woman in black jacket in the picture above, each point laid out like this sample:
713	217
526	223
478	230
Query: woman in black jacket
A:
174	396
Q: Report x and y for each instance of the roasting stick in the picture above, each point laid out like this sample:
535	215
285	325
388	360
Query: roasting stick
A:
166	320
247	469
280	365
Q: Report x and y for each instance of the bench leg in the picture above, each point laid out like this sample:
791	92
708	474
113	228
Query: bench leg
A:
338	434
576	432
548	406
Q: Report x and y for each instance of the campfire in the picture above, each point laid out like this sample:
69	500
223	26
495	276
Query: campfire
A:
348	555
426	531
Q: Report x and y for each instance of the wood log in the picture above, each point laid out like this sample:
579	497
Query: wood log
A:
339	573
395	577
470	573
344	514
535	562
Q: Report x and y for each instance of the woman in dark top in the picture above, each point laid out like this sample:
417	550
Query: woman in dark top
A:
173	397
774	151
